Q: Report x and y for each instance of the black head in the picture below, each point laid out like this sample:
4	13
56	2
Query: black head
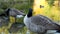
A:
7	11
30	12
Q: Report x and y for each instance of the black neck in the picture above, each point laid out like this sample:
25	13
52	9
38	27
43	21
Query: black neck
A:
7	12
29	13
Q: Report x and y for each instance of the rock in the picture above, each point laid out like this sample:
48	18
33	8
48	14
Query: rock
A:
4	21
15	27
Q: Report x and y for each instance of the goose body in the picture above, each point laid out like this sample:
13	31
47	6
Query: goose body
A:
13	12
39	23
33	26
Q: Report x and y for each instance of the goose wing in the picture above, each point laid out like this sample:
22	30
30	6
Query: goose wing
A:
43	21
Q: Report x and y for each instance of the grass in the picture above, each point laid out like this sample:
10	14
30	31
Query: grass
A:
18	4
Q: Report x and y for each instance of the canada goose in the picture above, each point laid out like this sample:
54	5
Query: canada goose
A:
11	12
39	23
14	13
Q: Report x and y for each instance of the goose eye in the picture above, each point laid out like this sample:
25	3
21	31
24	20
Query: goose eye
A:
41	6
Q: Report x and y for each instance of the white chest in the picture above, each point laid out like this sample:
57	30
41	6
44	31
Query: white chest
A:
26	21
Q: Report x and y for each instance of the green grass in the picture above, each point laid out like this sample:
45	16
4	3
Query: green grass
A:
18	4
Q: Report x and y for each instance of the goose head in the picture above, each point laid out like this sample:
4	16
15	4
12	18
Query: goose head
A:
30	12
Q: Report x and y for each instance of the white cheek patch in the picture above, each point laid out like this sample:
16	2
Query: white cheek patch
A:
19	16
